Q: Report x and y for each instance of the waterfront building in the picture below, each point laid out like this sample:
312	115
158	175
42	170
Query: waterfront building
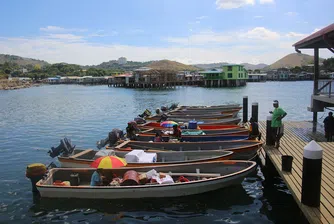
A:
257	77
228	76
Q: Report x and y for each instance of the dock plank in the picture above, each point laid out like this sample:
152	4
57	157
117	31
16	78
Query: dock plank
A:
296	136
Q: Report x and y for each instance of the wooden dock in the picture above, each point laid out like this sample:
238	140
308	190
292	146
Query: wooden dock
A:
296	136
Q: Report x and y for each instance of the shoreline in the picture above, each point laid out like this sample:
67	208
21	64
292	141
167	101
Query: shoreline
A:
16	84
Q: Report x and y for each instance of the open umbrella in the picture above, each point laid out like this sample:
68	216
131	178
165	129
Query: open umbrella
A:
168	124
107	162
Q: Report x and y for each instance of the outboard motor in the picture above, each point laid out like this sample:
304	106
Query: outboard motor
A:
163	108
173	106
163	117
146	113
65	147
140	120
35	172
112	138
131	130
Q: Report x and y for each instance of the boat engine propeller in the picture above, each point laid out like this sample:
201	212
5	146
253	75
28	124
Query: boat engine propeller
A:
65	147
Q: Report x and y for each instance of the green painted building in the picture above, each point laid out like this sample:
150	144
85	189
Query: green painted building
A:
228	76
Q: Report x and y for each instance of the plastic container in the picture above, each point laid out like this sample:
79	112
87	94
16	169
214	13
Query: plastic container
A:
130	178
192	125
74	179
287	163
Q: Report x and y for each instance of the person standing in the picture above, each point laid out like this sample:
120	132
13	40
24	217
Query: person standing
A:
329	126
276	123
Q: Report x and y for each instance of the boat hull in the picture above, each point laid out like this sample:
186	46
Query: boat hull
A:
171	157
196	138
232	173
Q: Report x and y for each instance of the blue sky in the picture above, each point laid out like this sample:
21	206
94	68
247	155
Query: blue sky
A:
201	31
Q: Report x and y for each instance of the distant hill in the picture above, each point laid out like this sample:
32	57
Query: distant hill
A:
114	65
171	65
292	60
253	67
21	61
219	65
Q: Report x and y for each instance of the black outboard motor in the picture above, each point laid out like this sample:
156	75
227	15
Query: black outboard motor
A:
65	148
112	138
146	113
163	108
140	120
173	106
163	117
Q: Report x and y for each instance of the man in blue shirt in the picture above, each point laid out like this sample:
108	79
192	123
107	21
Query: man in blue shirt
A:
97	178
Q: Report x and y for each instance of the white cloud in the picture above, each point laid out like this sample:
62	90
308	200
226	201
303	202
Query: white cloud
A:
233	4
266	1
65	36
57	29
316	30
291	13
261	33
252	45
258	17
201	17
102	33
293	34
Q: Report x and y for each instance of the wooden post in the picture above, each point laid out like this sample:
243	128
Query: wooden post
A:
245	109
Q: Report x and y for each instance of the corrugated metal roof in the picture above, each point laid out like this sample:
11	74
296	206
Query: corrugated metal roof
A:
316	39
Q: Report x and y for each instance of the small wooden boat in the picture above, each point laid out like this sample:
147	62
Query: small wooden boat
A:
202	177
203	112
227	131
242	149
192	117
204	127
210	121
216	107
83	158
196	138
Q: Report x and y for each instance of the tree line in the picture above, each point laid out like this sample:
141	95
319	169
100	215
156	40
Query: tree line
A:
59	69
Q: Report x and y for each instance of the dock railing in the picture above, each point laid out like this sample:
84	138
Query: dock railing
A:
326	87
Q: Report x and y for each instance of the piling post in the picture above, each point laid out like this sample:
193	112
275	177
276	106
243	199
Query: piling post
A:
255	111
269	137
245	109
311	179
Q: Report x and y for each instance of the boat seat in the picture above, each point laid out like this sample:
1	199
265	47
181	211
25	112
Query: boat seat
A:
81	153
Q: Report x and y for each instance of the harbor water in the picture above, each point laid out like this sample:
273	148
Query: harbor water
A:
34	119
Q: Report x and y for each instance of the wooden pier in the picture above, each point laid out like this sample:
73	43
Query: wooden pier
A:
296	136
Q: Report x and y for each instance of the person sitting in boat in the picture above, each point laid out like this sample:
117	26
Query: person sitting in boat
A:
177	131
254	132
158	137
97	178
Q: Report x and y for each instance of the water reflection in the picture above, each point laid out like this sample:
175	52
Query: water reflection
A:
163	208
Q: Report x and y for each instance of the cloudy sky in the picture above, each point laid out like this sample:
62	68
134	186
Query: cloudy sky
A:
189	31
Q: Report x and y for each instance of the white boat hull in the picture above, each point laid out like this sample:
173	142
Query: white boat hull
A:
167	190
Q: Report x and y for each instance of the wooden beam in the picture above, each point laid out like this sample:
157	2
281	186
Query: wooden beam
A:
122	144
81	153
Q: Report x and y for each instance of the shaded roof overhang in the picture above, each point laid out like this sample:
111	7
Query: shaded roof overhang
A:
323	38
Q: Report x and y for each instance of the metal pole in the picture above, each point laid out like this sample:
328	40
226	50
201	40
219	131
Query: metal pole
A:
315	85
269	137
245	109
255	111
311	179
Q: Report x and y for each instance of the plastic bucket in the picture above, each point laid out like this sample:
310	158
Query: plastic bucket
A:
287	163
192	125
74	179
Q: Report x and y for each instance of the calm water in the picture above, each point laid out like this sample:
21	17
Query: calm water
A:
32	120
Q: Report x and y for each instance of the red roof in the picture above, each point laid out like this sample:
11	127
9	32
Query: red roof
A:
317	39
